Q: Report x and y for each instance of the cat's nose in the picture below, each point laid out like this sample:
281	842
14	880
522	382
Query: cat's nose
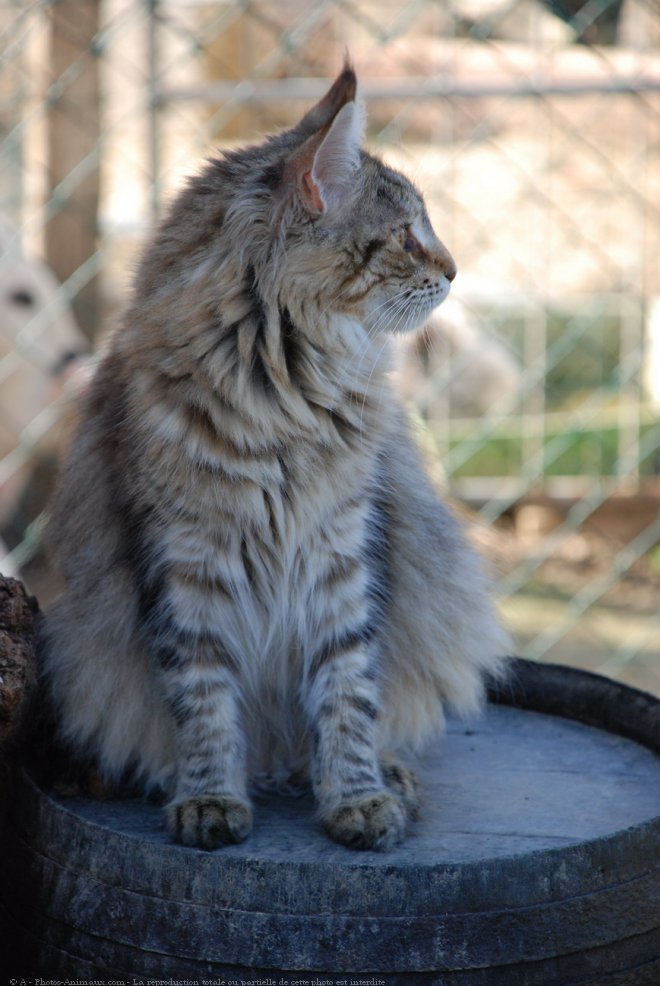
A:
446	263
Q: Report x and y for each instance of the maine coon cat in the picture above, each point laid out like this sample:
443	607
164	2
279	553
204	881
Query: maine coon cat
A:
260	585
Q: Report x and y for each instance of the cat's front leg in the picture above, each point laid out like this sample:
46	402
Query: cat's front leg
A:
356	805
210	805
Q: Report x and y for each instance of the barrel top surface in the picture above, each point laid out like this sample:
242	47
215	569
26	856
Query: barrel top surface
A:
510	783
539	837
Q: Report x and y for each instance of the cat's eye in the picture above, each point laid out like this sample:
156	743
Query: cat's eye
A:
410	244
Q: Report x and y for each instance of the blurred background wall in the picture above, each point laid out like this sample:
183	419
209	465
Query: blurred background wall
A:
532	127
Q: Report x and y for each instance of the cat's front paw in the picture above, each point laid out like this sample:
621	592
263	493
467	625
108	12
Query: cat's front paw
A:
208	821
403	783
377	821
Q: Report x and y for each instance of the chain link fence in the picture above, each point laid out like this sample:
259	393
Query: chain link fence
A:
533	129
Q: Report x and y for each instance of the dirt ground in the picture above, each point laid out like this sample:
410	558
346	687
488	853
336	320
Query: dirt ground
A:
550	617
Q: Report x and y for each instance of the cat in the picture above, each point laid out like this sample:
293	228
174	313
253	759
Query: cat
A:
260	585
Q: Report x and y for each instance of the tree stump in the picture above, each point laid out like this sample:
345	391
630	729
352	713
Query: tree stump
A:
18	612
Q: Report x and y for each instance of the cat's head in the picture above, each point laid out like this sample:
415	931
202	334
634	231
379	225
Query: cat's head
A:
339	226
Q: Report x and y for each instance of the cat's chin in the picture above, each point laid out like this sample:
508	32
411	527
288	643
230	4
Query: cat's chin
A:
413	321
443	290
414	316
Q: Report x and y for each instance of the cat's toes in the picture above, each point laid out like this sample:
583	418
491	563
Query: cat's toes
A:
404	783
208	821
377	821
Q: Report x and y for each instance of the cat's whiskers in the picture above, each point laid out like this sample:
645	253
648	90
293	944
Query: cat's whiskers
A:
403	294
383	346
391	306
398	304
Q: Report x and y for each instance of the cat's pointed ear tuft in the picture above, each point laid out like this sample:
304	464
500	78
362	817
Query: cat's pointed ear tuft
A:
342	91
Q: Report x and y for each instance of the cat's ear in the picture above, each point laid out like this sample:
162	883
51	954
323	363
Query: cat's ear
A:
337	159
343	90
324	169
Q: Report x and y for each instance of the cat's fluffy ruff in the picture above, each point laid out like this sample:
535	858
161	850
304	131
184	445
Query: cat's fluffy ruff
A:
259	580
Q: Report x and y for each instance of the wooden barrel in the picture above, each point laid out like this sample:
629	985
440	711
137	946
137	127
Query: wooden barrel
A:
536	862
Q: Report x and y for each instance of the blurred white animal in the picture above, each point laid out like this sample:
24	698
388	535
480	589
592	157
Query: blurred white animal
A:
452	368
40	346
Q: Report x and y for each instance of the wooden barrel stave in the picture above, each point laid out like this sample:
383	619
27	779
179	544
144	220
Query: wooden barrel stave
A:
443	941
634	962
574	910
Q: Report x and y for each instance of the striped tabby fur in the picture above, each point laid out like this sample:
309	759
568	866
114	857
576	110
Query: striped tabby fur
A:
259	581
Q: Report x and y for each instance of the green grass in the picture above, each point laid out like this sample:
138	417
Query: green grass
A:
568	451
591	416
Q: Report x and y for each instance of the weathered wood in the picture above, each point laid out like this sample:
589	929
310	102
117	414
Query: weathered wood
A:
17	663
589	698
536	863
17	687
